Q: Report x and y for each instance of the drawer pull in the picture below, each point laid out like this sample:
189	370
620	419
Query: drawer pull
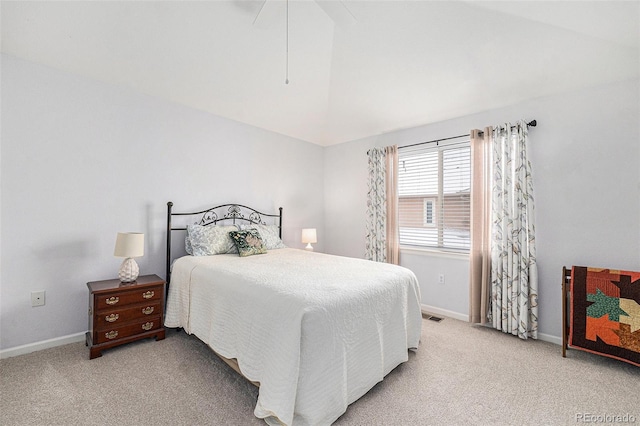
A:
148	294
147	326
111	335
112	317
112	300
148	310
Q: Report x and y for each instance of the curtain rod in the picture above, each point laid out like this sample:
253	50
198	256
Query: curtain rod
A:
532	123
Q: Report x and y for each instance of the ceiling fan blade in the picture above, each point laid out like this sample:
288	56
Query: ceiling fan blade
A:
337	11
259	11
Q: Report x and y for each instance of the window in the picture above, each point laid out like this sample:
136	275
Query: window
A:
429	214
434	188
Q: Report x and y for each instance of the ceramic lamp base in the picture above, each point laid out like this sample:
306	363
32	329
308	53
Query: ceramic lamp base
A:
129	270
309	247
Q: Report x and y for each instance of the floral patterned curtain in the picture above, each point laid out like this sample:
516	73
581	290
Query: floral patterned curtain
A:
381	225
513	302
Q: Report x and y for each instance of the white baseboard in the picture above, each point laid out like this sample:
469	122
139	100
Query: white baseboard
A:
45	344
438	311
549	338
464	317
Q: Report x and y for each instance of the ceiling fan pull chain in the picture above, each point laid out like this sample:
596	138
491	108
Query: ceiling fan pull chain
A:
286	81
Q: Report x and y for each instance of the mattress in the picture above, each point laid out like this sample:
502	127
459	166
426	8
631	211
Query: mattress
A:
316	331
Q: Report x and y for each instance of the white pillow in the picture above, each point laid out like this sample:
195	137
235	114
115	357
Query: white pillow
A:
187	244
269	233
211	239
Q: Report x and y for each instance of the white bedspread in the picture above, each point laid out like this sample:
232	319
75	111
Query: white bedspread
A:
317	331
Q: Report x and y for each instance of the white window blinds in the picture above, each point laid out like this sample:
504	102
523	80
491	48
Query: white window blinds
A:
434	185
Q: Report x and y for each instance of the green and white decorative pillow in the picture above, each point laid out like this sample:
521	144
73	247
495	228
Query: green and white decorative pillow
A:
248	242
269	233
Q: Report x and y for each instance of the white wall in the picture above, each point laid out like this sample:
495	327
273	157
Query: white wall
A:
585	154
83	160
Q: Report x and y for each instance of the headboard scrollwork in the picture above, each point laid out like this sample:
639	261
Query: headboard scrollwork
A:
234	212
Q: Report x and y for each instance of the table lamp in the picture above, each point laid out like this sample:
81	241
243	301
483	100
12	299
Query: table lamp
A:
308	237
129	245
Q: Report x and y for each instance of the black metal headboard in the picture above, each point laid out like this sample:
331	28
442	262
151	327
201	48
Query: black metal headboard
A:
225	213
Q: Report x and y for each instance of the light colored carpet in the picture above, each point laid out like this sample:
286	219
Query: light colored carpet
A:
461	375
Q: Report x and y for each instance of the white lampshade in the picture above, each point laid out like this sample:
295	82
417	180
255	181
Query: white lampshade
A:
129	245
308	237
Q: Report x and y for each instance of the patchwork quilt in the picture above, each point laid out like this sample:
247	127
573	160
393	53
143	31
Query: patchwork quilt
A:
605	312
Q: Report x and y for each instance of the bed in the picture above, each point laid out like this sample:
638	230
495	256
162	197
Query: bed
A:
314	331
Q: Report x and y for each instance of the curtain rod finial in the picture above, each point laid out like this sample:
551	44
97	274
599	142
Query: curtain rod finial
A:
532	123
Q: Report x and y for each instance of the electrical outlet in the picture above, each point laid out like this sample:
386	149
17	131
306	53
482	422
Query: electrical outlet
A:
37	298
441	278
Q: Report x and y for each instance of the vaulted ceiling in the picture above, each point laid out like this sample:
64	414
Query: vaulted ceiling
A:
355	68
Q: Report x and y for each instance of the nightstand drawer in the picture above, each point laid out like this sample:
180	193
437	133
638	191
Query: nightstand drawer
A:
116	317
129	297
126	330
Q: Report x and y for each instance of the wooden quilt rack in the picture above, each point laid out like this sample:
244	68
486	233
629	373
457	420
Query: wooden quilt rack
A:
601	313
566	283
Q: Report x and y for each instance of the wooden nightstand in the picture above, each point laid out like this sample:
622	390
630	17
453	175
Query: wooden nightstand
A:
124	312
